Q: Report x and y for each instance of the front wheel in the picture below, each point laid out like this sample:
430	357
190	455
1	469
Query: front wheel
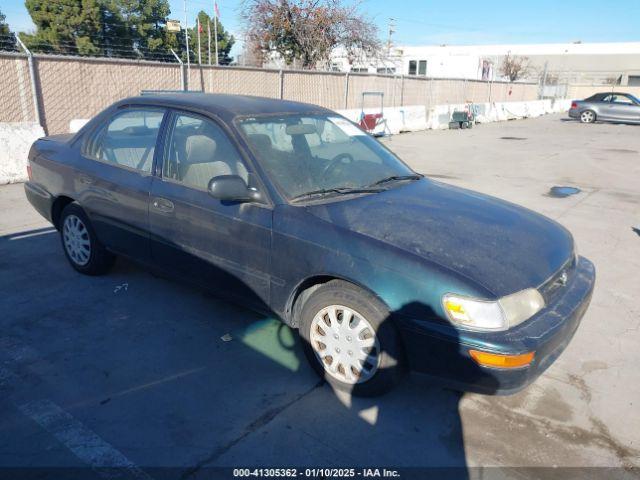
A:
81	246
588	116
350	340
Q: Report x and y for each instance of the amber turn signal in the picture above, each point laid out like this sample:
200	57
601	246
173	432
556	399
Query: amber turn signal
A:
497	360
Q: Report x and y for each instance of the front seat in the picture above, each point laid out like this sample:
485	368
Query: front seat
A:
207	158
199	165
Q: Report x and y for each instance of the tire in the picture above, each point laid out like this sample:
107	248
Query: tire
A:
82	248
384	366
464	125
588	116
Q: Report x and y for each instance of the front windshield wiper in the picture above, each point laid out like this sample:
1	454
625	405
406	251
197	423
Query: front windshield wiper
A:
338	190
396	178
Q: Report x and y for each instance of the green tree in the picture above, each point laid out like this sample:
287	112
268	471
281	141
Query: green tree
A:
72	27
113	28
145	27
225	41
7	38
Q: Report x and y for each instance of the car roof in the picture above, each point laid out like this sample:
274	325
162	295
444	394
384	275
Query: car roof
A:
605	94
224	106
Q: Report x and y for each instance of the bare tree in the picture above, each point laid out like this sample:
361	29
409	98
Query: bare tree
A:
308	31
515	67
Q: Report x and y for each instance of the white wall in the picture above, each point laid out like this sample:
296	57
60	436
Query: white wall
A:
463	61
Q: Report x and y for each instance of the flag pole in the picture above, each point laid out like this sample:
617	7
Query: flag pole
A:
186	36
199	49
209	41
215	29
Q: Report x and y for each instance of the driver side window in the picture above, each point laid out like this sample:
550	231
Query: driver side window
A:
198	150
622	100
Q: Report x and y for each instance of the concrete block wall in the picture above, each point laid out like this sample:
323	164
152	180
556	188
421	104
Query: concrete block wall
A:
418	117
16	139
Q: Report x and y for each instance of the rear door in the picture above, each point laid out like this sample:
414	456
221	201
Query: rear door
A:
223	246
114	187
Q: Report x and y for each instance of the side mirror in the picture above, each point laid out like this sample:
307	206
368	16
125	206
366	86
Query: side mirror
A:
232	188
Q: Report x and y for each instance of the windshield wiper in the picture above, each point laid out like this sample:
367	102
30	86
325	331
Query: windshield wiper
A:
338	190
396	178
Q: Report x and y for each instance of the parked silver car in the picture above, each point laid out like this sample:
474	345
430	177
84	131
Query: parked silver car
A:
607	107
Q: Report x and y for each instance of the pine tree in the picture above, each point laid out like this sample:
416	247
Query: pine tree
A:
7	38
71	27
145	27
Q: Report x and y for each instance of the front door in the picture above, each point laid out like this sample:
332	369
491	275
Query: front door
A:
623	108
116	179
222	246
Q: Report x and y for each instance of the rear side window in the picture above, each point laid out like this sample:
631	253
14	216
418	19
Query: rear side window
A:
128	139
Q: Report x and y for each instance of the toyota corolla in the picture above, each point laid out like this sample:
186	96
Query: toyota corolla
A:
292	209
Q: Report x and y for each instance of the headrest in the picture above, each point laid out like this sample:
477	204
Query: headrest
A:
200	149
260	141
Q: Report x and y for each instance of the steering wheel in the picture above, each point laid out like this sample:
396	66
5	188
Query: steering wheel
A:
335	162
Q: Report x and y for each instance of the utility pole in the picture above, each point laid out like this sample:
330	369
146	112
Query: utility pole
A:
186	35
392	30
244	50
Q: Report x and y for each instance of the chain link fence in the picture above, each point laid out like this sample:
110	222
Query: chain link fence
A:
16	100
79	87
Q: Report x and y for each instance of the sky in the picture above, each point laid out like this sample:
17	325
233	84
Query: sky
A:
458	22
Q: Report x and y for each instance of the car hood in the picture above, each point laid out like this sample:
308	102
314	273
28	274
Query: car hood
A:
500	246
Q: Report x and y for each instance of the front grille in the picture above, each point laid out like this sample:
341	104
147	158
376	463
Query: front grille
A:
553	288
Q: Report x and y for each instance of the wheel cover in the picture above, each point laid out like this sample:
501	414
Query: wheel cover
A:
587	117
76	240
345	344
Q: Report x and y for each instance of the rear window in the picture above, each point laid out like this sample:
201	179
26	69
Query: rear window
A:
128	139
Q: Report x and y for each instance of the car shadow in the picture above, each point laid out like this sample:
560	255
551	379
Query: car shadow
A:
182	383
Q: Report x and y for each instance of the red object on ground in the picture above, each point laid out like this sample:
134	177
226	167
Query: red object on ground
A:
369	121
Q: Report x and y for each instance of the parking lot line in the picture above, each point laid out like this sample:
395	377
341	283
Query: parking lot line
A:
86	445
82	442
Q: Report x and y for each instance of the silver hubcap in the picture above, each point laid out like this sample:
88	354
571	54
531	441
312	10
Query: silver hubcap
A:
76	240
345	343
587	117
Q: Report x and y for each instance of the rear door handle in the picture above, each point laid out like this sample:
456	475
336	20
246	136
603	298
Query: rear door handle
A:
162	205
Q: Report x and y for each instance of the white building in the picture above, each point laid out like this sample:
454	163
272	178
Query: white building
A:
578	62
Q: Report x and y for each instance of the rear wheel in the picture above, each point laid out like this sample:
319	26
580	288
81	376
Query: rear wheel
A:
81	246
350	340
588	116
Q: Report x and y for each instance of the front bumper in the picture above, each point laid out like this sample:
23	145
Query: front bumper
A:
442	351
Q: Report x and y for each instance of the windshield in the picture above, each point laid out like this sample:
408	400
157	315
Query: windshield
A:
307	154
635	98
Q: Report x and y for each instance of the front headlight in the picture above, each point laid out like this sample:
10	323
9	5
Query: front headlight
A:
493	315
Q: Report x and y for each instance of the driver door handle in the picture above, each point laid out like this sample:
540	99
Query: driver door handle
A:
85	179
162	205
